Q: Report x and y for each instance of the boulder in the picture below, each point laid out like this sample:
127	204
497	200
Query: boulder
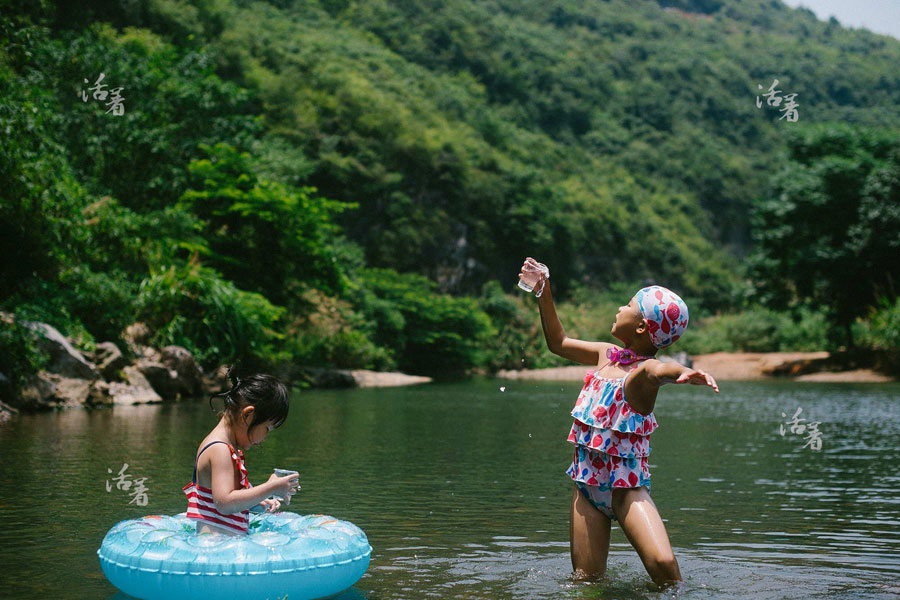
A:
99	394
7	390
109	359
7	412
366	378
150	353
34	395
51	390
67	391
325	378
162	379
136	336
779	364
122	393
217	381
190	375
65	360
137	390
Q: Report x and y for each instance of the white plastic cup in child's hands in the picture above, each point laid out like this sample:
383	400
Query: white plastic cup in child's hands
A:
285	489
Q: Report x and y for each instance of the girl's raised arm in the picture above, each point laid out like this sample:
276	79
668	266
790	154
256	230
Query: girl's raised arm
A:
580	351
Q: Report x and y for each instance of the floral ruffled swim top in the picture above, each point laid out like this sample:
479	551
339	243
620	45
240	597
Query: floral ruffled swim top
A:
612	440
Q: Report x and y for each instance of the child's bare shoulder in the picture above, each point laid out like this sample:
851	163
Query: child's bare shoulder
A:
650	363
646	369
601	348
217	452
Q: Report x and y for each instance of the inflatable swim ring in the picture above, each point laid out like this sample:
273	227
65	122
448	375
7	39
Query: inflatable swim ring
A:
303	557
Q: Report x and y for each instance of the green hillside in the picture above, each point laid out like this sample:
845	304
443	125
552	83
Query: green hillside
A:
305	162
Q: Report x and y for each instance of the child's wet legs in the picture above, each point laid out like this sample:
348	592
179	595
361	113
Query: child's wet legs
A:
589	531
642	525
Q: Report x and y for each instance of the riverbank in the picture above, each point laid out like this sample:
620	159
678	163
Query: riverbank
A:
349	378
739	366
142	384
800	366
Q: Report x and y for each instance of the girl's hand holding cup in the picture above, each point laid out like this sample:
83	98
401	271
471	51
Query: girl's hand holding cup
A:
284	484
533	273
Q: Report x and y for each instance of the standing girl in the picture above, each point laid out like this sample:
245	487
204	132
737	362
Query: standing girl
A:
613	420
220	495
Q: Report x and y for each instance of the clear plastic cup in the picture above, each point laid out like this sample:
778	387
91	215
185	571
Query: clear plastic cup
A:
285	473
531	275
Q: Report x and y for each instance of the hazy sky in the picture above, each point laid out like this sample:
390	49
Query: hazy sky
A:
880	16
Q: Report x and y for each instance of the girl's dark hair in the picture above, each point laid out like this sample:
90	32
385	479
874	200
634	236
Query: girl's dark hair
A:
266	394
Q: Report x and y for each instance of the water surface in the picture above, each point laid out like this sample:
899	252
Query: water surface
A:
461	489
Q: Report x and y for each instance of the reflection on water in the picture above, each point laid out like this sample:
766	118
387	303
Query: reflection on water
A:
462	491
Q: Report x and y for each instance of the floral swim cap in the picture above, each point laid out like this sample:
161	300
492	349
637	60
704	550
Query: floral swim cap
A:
665	312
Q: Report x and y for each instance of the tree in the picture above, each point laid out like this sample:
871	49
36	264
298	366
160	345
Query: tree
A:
826	231
268	236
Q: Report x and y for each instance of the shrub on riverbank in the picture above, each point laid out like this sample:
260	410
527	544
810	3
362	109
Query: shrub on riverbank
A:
425	332
881	331
757	329
20	357
519	340
193	307
331	332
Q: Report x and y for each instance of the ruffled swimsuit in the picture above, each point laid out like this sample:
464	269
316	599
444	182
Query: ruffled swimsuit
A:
612	441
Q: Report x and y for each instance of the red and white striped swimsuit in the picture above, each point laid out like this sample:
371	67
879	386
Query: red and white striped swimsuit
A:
200	499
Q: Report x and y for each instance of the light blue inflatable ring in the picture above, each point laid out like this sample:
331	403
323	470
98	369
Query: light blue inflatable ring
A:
303	557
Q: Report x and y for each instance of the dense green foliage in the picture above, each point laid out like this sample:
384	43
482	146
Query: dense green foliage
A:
268	236
829	234
882	330
758	330
310	181
19	357
192	306
424	331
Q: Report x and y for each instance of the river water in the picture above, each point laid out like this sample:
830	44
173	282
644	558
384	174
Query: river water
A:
461	489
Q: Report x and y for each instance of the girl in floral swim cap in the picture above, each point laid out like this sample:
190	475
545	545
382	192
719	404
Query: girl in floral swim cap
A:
613	420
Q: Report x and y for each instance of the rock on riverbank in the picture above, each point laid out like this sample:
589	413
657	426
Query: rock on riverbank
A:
107	376
140	374
349	378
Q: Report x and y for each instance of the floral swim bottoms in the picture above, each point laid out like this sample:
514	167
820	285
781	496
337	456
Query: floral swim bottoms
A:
601	499
597	474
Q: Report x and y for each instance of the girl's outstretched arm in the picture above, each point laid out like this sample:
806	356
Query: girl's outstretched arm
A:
659	373
580	351
643	384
